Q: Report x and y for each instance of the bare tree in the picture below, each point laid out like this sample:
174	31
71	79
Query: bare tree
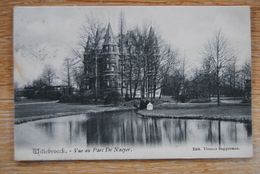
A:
89	47
133	61
93	29
168	60
246	75
122	49
48	76
78	77
220	54
230	77
144	60
246	70
208	75
147	62
68	70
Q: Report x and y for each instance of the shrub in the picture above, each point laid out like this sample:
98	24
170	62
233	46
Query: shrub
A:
112	97
70	99
132	103
88	97
182	98
201	100
143	104
127	98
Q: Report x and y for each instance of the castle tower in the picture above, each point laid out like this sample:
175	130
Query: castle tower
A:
88	64
108	63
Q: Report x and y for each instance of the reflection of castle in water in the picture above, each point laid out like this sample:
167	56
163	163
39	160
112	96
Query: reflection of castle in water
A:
111	129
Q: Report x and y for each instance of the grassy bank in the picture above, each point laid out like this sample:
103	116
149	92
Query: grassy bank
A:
225	112
34	110
42	110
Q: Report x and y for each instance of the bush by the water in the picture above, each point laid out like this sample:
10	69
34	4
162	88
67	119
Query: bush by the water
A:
86	98
70	98
202	100
112	97
131	103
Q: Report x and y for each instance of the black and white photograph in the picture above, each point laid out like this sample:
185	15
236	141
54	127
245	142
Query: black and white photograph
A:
132	82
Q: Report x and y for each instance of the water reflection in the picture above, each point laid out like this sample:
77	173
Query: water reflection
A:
127	128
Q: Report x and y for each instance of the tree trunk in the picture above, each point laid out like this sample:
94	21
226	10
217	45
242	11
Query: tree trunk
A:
154	90
96	76
122	76
130	82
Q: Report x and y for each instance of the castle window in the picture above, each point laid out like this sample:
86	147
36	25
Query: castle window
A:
108	83
113	68
108	66
106	48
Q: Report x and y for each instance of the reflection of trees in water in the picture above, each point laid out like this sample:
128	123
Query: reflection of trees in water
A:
179	133
118	129
107	129
121	129
47	127
248	127
222	132
175	130
233	131
153	132
75	130
211	134
70	130
219	133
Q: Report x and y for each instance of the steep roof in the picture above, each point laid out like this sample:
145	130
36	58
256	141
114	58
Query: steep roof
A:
109	37
88	46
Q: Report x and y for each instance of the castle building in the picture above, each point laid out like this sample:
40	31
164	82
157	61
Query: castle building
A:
106	66
108	63
101	64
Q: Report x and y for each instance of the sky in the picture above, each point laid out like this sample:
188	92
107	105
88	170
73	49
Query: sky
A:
47	35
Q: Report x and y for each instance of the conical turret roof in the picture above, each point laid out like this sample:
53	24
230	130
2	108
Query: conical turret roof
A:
88	45
109	37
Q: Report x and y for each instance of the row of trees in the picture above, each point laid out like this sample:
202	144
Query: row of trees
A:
144	58
219	74
147	64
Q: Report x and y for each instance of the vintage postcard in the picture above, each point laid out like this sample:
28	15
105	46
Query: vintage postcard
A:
132	82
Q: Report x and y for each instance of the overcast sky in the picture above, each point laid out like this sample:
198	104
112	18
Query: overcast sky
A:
46	35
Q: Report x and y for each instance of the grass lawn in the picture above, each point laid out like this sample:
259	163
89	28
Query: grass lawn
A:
225	112
47	109
39	109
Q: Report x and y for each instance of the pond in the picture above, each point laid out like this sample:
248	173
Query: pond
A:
128	128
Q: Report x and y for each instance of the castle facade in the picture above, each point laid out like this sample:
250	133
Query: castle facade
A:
106	67
101	64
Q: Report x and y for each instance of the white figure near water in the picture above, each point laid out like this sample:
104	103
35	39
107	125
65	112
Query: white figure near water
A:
149	106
